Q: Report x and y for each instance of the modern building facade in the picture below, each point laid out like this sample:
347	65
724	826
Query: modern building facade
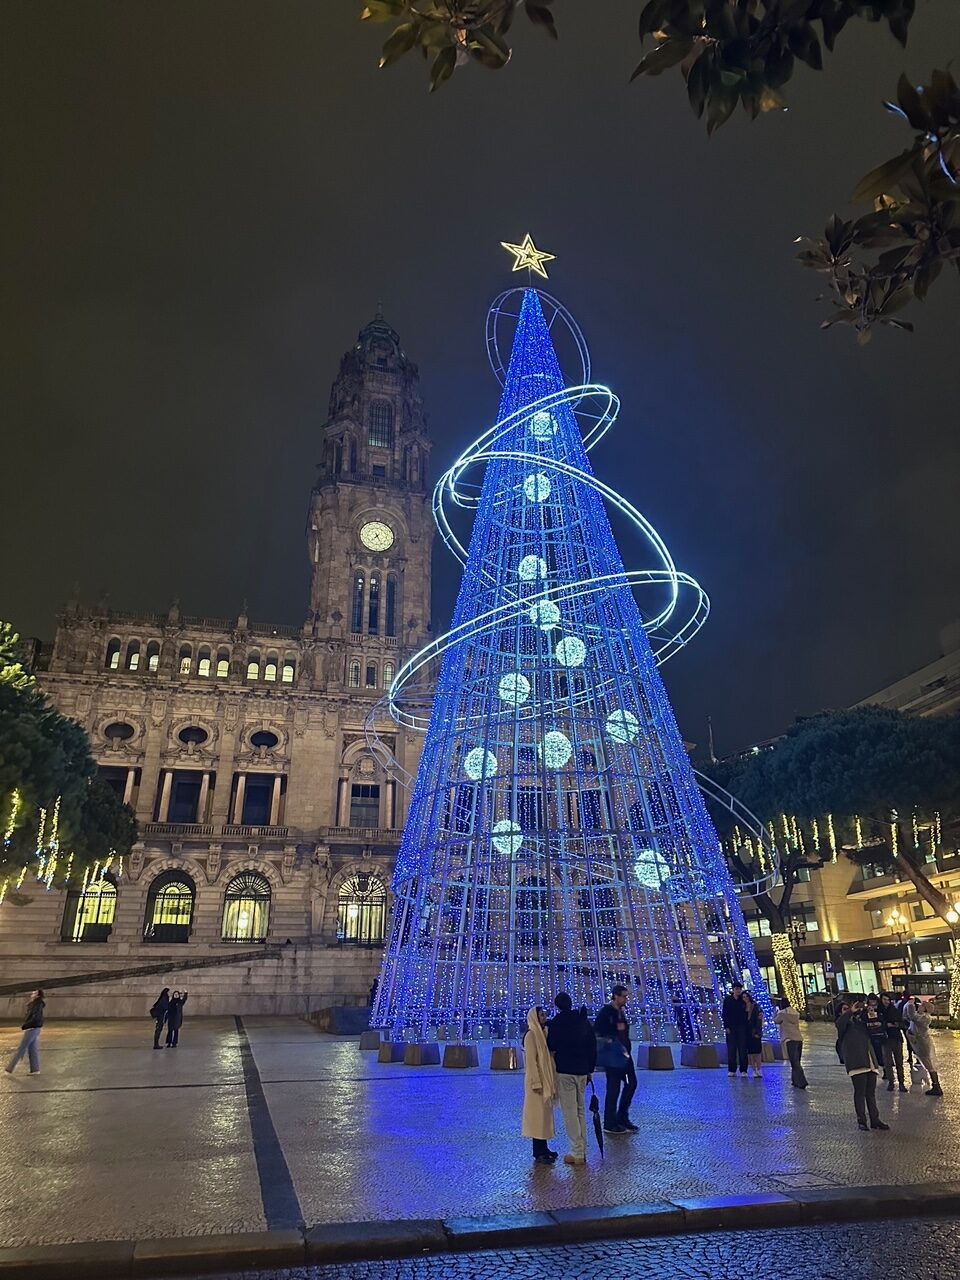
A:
267	830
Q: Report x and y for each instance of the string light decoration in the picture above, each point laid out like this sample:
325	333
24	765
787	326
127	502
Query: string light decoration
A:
557	838
787	971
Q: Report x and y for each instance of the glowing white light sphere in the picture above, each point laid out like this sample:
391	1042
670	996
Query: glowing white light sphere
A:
479	763
652	868
530	568
571	651
545	615
622	726
555	749
514	688
536	488
507	836
543	425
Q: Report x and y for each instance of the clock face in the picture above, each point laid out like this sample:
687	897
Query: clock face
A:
376	536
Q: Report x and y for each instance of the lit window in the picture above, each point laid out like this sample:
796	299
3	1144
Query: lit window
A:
387	674
357	614
246	908
373	611
186	659
112	660
253	667
203	667
169	908
287	673
90	912
133	655
223	668
153	656
361	910
270	671
381	424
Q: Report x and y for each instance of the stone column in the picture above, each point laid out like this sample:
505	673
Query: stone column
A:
204	794
128	788
165	795
275	801
238	802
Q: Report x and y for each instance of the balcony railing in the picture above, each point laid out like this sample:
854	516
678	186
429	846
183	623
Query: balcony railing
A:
203	830
363	835
265	833
178	829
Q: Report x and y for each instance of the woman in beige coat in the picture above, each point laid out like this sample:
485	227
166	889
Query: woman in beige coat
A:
539	1087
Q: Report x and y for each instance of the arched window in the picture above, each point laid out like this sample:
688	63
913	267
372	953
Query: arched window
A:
246	908
169	908
112	661
203	662
371	678
381	424
270	668
387	674
133	655
287	671
354	675
390	620
373	610
153	656
361	910
223	664
88	915
357	613
186	659
253	666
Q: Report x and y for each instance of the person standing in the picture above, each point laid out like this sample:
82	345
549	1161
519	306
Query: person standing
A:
31	1034
902	1003
754	1035
856	1054
876	1030
539	1088
573	1043
175	1018
615	1055
734	1014
893	1045
918	1030
159	1014
788	1020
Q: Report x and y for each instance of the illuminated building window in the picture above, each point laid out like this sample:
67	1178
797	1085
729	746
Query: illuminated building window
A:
354	675
133	655
223	664
357	612
253	666
169	908
387	674
112	660
361	910
203	663
365	804
186	659
89	913
286	674
270	670
373	608
153	656
246	908
390	619
381	424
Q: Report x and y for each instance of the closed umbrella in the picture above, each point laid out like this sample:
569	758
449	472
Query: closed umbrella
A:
595	1112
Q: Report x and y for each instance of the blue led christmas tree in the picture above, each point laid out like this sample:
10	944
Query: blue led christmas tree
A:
557	838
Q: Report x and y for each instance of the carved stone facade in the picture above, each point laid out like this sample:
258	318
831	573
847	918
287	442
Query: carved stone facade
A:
240	745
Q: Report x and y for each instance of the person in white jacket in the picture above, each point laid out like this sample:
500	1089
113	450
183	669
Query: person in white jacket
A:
539	1087
788	1020
917	1018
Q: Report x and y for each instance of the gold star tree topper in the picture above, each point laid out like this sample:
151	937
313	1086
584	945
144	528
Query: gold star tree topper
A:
526	254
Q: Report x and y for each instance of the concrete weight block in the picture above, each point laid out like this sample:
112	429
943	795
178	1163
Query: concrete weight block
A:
422	1055
699	1055
391	1051
460	1055
370	1040
506	1057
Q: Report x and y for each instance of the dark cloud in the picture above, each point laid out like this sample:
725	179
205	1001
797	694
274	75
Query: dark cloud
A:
205	201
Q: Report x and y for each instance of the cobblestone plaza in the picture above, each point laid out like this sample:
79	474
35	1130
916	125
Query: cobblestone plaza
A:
255	1124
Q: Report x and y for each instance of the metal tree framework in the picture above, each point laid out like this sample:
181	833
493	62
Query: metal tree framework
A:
557	837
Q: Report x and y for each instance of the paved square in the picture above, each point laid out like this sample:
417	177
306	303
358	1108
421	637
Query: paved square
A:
115	1141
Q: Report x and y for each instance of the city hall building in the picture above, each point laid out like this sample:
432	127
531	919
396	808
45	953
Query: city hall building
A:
268	829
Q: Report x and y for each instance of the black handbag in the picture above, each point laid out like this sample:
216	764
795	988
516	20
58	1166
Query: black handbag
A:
611	1055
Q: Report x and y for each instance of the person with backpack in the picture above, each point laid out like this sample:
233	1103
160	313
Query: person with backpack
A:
573	1043
856	1054
159	1014
175	1018
31	1034
615	1056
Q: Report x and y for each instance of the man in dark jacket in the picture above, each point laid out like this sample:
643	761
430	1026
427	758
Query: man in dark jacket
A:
175	1018
571	1040
611	1024
893	1049
734	1014
856	1053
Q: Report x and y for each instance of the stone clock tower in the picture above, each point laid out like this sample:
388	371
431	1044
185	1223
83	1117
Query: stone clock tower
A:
369	528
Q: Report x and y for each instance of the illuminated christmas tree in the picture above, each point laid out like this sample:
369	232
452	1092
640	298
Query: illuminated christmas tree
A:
557	838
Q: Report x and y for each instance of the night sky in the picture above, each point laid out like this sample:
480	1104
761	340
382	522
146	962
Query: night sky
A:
205	200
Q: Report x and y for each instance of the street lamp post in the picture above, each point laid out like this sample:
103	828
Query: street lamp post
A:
897	923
